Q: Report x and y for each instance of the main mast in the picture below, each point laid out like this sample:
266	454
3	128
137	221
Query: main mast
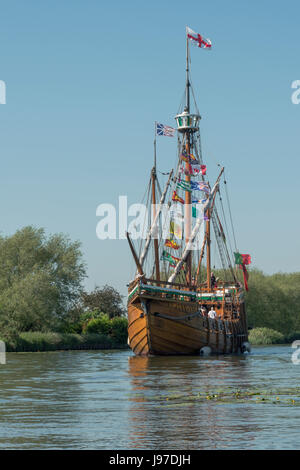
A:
187	207
187	125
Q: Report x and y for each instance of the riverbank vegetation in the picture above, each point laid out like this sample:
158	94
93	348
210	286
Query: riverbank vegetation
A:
34	341
273	301
265	336
43	305
273	307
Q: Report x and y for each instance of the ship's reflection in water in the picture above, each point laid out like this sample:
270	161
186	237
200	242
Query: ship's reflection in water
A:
113	400
173	404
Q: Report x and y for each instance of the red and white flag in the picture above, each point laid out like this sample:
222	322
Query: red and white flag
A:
196	169
197	39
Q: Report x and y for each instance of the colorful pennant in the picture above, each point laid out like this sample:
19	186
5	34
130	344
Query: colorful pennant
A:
177	198
176	229
185	185
172	244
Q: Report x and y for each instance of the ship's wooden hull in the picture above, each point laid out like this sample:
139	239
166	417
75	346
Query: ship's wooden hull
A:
161	327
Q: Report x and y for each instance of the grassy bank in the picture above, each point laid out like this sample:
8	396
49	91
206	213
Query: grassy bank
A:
260	336
37	341
263	335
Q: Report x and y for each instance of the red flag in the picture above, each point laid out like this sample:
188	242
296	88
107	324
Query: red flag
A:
246	276
246	259
203	170
241	261
188	170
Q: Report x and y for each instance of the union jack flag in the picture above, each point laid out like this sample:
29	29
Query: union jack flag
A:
161	129
200	186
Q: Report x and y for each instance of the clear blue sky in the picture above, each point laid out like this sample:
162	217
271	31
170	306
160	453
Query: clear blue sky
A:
87	79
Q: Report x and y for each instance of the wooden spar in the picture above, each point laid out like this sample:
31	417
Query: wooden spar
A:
153	226
208	243
199	221
187	215
156	253
138	265
200	260
187	76
208	260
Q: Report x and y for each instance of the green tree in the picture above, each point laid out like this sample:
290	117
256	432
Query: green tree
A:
102	324
105	299
40	279
274	301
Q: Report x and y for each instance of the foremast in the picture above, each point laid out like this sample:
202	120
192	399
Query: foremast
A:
156	251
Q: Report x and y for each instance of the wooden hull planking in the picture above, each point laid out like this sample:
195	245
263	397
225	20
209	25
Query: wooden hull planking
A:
173	328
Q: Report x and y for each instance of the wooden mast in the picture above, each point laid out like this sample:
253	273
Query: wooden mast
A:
208	257
187	206
200	261
135	257
156	252
153	178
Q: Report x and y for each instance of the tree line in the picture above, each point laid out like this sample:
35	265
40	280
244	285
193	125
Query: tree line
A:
273	301
41	289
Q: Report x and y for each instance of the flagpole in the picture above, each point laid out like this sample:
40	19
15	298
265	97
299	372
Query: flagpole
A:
153	178
155	129
187	75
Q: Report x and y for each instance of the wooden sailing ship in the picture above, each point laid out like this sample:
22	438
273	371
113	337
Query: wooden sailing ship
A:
176	305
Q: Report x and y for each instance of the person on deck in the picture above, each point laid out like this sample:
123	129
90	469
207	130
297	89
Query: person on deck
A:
212	313
213	280
203	311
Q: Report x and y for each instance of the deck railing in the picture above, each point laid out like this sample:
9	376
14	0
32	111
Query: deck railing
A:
221	285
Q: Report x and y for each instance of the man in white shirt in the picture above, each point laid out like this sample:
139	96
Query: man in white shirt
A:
212	313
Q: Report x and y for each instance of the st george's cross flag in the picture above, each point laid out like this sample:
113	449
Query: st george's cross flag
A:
197	39
161	129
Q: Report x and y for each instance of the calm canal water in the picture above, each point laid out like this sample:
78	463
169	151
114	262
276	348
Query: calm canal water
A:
114	400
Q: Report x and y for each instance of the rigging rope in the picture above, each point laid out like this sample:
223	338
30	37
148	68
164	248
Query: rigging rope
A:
224	220
232	227
146	219
195	103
